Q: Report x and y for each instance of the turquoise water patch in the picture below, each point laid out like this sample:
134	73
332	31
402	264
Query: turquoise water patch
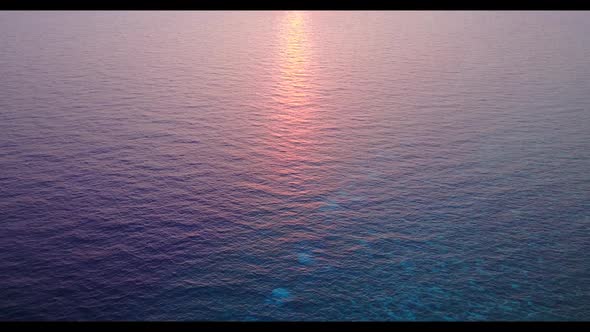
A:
305	258
279	296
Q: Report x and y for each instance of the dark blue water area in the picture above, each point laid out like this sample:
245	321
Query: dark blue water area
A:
460	258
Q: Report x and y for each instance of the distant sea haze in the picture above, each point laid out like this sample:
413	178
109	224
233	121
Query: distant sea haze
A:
317	166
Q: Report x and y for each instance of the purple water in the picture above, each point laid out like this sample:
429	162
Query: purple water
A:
294	165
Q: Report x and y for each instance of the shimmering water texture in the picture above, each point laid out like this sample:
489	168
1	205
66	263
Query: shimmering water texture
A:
294	166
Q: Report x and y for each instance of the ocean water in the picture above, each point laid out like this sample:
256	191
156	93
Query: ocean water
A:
357	166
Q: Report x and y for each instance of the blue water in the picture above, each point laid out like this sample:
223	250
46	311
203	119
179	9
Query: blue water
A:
294	166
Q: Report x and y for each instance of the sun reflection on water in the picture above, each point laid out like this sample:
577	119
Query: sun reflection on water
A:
293	89
292	142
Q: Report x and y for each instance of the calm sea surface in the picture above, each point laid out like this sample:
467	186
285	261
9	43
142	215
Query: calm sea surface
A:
294	165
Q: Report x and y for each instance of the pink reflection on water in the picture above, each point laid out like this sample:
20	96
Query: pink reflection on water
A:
292	141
